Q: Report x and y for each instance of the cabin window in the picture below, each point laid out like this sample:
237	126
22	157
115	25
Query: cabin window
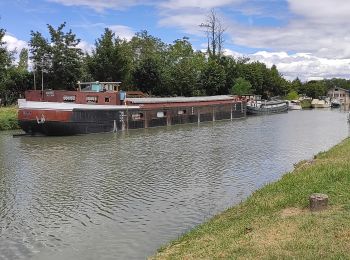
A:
181	112
161	114
137	116
50	93
107	99
91	99
67	98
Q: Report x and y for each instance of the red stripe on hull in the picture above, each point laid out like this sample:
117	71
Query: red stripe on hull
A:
48	115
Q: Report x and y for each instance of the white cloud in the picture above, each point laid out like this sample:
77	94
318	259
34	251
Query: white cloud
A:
188	23
304	65
229	52
203	4
331	41
85	46
14	44
317	27
99	5
187	15
334	11
122	31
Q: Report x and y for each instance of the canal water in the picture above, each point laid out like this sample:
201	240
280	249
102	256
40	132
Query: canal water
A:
122	196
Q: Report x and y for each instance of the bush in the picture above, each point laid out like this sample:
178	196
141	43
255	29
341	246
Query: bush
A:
8	118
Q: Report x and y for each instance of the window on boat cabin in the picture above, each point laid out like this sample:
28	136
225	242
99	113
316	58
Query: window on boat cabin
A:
91	99
161	114
107	99
137	116
50	93
67	98
181	112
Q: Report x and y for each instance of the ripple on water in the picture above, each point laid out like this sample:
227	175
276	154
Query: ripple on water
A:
122	195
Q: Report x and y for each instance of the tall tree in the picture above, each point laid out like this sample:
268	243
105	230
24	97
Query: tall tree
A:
59	60
149	62
215	34
5	55
40	51
23	60
213	77
183	69
148	75
66	58
315	88
109	61
296	85
145	45
6	58
232	70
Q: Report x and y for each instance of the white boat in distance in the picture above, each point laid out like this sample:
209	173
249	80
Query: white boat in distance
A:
320	103
294	105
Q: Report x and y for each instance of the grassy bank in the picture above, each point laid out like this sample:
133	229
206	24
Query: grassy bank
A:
8	118
306	103
275	222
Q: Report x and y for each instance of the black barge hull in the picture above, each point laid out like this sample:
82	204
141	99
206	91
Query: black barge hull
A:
100	121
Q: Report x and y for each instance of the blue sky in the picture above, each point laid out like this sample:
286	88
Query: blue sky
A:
304	38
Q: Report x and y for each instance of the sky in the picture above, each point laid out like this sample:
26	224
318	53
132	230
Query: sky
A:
309	39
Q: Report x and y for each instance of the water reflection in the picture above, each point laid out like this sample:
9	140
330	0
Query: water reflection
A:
109	196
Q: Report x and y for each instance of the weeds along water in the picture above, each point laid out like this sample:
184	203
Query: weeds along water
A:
8	118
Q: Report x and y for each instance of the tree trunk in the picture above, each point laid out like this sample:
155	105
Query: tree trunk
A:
318	201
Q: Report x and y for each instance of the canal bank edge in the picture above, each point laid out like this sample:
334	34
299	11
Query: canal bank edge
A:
8	118
275	222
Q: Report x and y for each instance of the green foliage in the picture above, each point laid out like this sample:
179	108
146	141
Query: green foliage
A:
144	63
13	79
183	67
148	67
314	89
241	87
232	70
60	60
293	95
306	103
296	85
8	118
109	61
23	60
213	78
5	56
15	83
148	75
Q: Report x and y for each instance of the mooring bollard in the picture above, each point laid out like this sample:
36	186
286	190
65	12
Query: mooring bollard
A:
318	201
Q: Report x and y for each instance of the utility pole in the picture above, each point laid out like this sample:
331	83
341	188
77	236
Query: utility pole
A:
34	67
42	75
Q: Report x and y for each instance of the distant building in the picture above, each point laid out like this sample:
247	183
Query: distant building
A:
341	94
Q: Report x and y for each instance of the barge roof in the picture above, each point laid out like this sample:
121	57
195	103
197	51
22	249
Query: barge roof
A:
23	104
156	100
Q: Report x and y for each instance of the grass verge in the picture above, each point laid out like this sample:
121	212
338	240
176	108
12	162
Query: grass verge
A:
8	118
275	223
306	103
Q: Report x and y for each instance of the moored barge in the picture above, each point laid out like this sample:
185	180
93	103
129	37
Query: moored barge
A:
101	107
257	106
